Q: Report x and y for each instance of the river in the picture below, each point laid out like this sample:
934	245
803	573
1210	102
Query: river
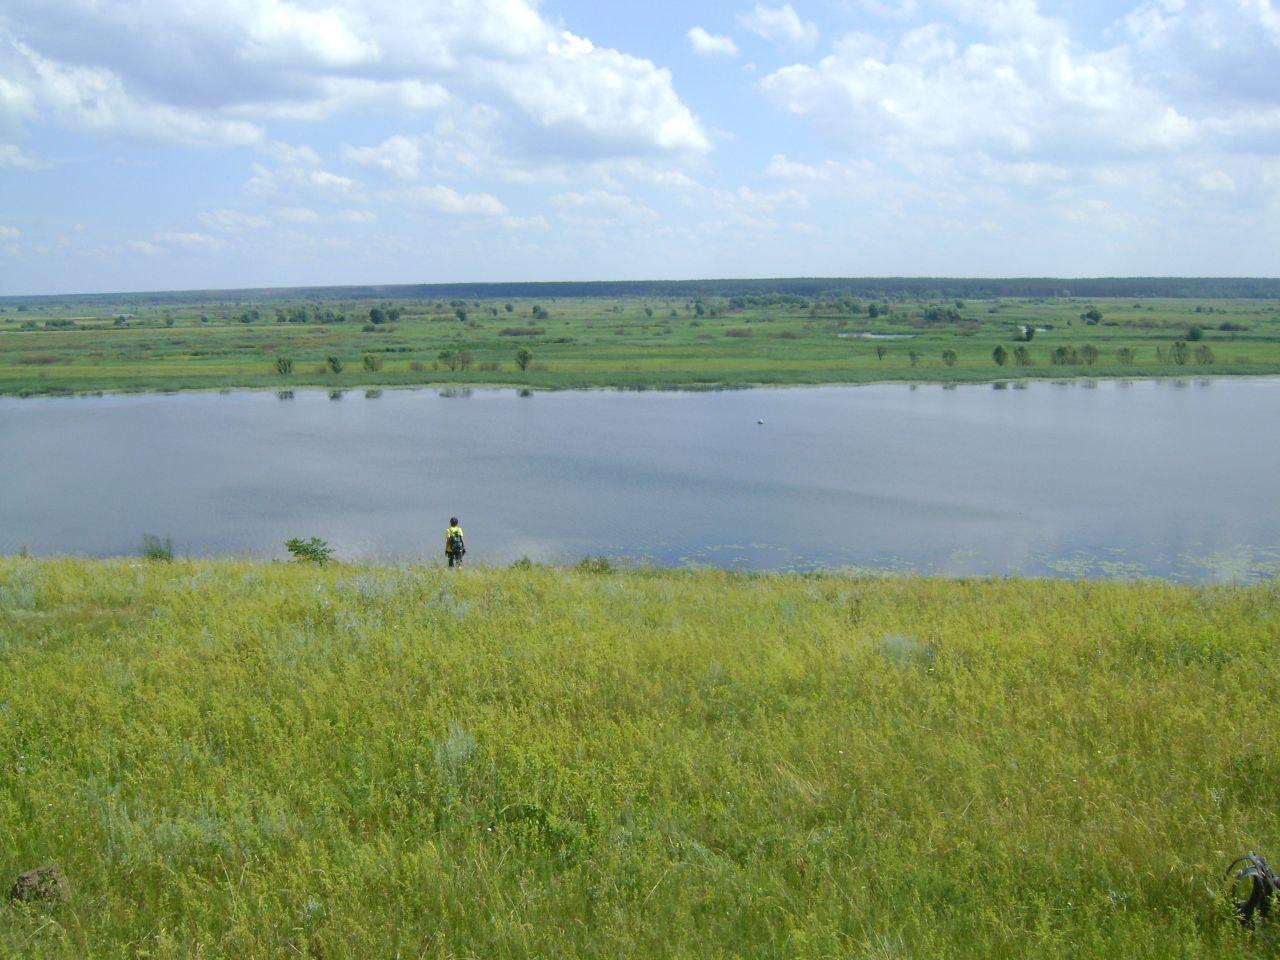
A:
1176	479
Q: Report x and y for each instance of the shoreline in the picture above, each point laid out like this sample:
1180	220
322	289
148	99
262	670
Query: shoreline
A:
657	387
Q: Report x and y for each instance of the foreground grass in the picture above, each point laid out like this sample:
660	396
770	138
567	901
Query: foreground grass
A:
238	760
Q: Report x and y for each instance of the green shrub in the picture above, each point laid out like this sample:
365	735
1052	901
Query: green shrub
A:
314	550
154	548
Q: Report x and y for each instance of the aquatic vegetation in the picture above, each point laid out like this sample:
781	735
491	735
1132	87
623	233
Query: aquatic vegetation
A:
229	759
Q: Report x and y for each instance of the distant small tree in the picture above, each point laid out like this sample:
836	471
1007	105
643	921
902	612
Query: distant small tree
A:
335	364
873	310
449	358
913	356
1089	354
1000	355
523	356
648	311
372	362
377	315
539	313
284	366
313	550
508	307
461	314
1091	316
1124	356
1022	357
1179	352
1204	355
949	357
1194	333
1028	332
881	350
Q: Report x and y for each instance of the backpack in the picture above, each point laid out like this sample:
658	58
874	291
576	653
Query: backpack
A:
456	546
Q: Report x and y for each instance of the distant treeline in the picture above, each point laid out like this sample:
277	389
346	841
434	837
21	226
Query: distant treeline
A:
920	288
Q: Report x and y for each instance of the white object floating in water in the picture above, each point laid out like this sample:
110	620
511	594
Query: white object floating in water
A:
760	421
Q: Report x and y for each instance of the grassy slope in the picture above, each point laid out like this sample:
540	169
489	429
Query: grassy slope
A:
611	343
235	760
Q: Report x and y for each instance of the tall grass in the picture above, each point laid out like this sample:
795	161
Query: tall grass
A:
237	760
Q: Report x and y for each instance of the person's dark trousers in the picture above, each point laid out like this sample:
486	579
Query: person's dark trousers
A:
455	559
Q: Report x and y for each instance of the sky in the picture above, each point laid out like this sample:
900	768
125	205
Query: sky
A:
154	145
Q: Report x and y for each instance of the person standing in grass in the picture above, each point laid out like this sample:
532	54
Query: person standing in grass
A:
454	547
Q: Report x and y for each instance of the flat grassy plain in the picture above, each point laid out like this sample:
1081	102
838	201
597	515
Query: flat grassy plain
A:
52	347
270	760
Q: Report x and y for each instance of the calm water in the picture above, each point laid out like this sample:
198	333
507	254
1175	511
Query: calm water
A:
1177	479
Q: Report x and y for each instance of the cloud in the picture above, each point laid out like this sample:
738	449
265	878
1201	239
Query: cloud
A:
330	181
600	207
356	216
1208	50
1025	92
188	241
780	25
95	101
9	233
297	214
292	155
233	221
442	199
398	155
12	157
711	45
215	72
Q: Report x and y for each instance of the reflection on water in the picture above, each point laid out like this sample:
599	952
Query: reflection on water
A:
1064	478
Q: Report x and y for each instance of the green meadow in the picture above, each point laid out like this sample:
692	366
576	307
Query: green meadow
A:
73	345
273	760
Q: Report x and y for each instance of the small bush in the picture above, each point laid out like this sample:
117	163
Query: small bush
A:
335	364
284	366
738	332
372	362
153	548
522	331
314	550
590	564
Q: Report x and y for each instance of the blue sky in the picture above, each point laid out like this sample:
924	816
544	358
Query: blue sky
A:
153	145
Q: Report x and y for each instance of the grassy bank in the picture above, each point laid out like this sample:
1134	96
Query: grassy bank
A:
237	760
54	347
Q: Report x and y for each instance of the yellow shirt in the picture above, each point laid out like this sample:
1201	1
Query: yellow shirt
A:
448	534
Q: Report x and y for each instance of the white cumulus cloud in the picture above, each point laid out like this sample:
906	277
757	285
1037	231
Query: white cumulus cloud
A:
709	44
398	155
218	72
444	199
780	25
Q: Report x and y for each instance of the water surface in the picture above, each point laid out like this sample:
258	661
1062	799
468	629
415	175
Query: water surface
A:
1176	479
